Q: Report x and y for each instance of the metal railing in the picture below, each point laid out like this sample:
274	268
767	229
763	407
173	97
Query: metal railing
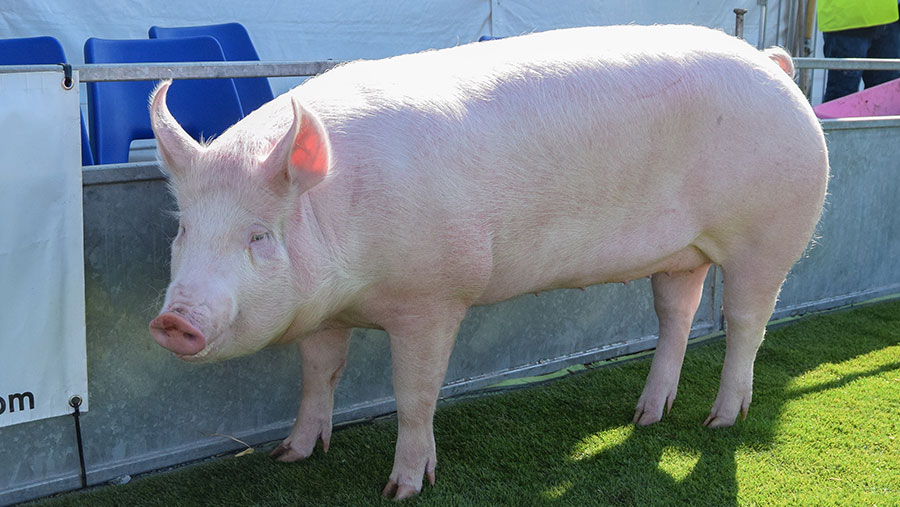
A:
213	70
179	70
848	63
806	66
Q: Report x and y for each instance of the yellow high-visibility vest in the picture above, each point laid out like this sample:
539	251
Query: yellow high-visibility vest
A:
846	14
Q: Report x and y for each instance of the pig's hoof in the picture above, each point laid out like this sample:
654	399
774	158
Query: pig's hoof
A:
646	418
301	443
396	491
649	409
723	415
287	453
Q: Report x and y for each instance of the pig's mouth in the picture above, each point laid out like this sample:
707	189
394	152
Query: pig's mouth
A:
195	358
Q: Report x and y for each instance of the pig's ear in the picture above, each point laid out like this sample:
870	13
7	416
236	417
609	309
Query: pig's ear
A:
176	148
302	157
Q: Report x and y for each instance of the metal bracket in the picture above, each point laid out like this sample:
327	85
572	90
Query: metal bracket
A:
67	84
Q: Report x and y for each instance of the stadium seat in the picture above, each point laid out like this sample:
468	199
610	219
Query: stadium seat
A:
118	111
237	46
41	51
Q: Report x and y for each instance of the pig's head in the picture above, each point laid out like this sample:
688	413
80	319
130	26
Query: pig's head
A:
235	278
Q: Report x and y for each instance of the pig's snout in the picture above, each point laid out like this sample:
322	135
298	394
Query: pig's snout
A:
175	333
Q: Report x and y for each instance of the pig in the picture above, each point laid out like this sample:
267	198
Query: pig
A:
394	194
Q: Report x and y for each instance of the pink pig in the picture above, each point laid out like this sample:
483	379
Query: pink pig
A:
395	194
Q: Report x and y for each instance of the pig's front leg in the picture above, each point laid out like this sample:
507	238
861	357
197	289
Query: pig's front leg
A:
420	351
675	299
322	356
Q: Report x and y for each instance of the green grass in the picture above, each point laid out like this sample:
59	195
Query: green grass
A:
824	429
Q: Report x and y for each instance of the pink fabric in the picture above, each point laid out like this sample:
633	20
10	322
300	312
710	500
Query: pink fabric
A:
881	100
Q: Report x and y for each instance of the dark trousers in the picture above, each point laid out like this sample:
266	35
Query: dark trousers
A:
881	41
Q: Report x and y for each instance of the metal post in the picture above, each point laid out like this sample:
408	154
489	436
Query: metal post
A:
739	22
778	40
763	7
806	18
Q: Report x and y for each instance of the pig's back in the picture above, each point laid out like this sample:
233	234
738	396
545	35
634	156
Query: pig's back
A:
555	107
629	60
582	156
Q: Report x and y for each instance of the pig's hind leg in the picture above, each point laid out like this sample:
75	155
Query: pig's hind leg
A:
322	357
750	289
675	298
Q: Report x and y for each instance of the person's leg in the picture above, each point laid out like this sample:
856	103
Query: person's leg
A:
885	44
843	44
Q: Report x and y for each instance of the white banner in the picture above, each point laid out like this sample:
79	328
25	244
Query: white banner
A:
42	325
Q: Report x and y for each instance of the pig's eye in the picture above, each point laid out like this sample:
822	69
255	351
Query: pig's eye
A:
258	236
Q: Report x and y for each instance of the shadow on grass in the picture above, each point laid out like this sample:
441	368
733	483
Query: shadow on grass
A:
586	452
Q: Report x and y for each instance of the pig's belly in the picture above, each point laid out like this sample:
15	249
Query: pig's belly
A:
575	268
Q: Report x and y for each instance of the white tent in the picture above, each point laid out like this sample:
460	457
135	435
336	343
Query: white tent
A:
309	30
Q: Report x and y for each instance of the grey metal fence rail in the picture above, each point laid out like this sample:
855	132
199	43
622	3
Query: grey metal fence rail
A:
177	70
848	63
211	70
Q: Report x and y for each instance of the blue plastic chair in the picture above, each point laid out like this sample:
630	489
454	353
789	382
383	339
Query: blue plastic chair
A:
118	110
41	51
237	46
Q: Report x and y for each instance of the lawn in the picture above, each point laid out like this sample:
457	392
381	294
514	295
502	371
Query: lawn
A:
823	429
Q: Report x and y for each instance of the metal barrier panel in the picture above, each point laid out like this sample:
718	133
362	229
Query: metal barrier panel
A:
149	410
854	257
